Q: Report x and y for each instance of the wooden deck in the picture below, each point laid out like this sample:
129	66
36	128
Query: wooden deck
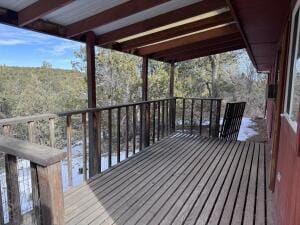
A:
182	179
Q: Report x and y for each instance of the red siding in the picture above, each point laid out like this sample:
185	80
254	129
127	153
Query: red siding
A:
270	115
287	191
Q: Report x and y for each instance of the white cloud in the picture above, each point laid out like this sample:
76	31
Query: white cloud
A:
11	42
16	36
64	46
55	46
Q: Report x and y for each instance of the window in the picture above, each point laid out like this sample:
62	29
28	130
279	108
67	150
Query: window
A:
293	84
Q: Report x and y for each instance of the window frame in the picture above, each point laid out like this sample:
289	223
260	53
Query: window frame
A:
292	63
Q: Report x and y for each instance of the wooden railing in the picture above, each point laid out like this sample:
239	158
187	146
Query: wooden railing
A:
200	115
45	184
30	123
135	125
114	132
108	135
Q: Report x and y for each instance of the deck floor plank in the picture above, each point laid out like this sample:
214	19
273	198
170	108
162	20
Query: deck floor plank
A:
186	178
160	181
147	177
182	179
160	193
176	201
78	203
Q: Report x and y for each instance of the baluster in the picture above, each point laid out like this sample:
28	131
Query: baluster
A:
153	122
52	132
158	120
218	114
167	117
146	128
141	127
127	131
201	116
13	193
99	139
163	118
183	112
109	137
173	115
210	118
30	127
192	115
118	134
69	150
84	144
7	130
134	128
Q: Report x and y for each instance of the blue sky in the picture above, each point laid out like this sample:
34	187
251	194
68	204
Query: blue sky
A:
19	47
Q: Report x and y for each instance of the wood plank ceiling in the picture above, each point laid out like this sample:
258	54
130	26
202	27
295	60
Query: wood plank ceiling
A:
165	30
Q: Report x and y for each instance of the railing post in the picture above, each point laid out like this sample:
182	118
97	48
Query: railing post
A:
218	114
91	81
13	192
172	109
47	190
51	194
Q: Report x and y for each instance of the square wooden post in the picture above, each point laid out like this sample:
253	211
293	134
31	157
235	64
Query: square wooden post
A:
145	78
51	194
145	107
91	80
173	102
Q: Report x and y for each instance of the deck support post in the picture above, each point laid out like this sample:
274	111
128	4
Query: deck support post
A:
51	194
173	102
145	107
91	81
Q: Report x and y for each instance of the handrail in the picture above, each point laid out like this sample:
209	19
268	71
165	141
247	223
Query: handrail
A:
26	119
38	154
195	98
91	110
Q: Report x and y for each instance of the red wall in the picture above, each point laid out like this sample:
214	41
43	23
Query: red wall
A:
287	190
270	117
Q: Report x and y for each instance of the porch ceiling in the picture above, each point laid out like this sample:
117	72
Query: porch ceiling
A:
183	29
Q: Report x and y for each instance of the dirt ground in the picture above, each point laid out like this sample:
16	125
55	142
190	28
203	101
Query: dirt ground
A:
260	127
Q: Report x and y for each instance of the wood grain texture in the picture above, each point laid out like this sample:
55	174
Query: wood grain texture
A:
41	155
182	179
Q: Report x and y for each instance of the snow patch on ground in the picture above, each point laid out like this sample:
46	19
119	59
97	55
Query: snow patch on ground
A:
246	131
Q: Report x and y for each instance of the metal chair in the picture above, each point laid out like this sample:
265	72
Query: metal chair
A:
232	120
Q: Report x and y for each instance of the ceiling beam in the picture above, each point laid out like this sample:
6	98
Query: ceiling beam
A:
178	31
243	33
162	20
206	49
220	41
8	17
39	9
110	15
211	51
202	36
11	18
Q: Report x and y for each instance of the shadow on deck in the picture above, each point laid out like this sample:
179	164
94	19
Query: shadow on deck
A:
183	179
